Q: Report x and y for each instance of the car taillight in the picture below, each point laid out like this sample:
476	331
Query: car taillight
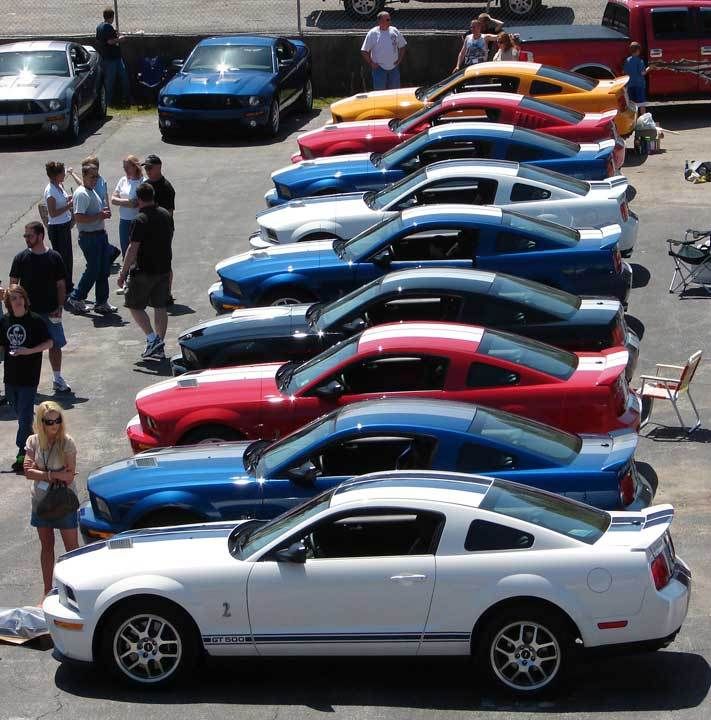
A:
611	171
627	486
624	211
619	331
617	260
660	571
619	395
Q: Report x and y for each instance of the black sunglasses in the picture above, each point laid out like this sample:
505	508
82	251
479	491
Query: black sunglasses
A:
57	421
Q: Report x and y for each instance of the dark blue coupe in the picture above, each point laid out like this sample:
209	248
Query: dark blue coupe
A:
237	81
262	480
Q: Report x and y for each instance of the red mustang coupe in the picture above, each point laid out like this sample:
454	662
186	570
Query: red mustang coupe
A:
579	392
380	135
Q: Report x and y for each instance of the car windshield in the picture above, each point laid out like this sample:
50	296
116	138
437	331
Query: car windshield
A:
342	309
519	350
229	58
559	146
393	157
566	76
550	177
547	299
293	445
262	536
316	367
431	93
557	446
558	234
557	111
45	62
553	512
412	121
372	239
390	193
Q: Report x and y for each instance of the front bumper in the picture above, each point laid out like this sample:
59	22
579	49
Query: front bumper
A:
257	242
272	199
139	439
221	301
51	123
297	157
71	633
172	118
91	527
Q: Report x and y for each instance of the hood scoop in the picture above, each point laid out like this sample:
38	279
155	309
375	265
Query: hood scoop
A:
120	544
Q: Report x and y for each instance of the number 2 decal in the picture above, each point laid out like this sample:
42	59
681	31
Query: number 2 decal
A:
226	610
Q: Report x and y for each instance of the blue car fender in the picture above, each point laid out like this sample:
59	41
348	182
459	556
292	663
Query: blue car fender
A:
283	280
175	500
326	186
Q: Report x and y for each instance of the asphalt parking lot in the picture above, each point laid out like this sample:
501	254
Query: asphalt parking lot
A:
219	188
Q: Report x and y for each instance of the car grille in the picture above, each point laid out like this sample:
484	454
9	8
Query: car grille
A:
19	107
209	102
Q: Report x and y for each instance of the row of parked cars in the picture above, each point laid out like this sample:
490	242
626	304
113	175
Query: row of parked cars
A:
436	318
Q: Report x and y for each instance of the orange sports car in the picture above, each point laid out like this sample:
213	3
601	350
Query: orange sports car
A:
542	81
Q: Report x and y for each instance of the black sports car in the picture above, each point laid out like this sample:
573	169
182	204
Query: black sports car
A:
298	332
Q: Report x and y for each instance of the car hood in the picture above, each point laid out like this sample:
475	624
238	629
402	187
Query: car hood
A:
279	258
238	83
338	131
309	170
321	208
32	87
377	104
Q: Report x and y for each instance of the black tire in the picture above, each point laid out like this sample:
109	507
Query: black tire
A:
306	101
74	130
529	626
167	517
158	630
287	296
273	121
363	9
520	8
206	434
100	103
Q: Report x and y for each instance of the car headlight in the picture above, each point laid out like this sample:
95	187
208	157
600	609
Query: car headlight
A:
167	100
190	356
255	100
283	190
102	507
56	104
67	597
151	424
231	288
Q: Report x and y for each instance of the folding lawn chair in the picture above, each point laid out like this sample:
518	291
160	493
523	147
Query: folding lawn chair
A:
668	387
150	79
692	261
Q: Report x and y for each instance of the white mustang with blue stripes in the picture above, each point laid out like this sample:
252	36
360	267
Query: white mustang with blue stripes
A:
399	563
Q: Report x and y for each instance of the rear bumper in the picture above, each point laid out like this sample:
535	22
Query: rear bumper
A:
632	415
221	301
138	438
628	238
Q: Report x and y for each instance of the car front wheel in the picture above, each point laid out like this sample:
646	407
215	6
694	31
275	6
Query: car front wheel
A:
520	8
74	127
306	101
363	9
273	123
149	643
288	296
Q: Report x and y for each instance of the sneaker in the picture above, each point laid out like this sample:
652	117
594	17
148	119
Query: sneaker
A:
59	385
157	355
121	291
153	347
105	308
77	306
18	465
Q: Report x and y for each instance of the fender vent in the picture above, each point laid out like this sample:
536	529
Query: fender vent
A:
120	544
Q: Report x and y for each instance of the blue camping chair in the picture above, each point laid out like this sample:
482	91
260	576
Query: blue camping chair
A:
150	79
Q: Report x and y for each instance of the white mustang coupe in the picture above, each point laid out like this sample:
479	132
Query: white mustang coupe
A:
398	563
527	189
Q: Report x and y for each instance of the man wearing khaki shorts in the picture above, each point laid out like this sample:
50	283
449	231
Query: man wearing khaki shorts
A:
147	267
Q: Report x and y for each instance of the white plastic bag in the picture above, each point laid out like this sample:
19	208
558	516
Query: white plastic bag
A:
20	625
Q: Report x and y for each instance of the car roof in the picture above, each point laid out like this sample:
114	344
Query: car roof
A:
407	414
417	336
505	97
452	211
440	278
239	40
487	128
38	45
414	485
466	167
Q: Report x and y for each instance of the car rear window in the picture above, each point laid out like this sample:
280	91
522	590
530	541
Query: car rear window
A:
552	512
550	177
45	62
514	431
565	76
556	234
531	294
529	353
557	145
557	111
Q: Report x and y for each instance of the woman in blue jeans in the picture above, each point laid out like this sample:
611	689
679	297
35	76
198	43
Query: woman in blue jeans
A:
124	196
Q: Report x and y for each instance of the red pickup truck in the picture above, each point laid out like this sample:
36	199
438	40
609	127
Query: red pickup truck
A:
675	36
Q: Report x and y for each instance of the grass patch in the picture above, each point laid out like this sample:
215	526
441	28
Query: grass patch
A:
323	103
131	111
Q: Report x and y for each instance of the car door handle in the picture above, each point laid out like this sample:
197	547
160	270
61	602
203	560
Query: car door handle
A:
655	53
408	578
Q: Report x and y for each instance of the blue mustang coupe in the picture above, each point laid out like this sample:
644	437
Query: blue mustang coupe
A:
453	141
237	81
582	262
262	480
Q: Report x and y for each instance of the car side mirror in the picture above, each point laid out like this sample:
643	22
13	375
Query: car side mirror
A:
304	474
177	63
382	259
330	390
355	325
83	67
295	553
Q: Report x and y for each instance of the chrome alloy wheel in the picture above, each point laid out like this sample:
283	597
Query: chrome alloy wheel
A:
287	301
521	8
147	648
525	656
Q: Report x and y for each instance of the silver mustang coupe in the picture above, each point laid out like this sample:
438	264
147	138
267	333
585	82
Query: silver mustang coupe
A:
49	86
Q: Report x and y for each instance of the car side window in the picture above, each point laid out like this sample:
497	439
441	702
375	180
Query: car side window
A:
465	191
541	87
444	308
455	150
670	23
375	533
439	244
508	242
474	458
497	313
395	374
500	83
485	535
521	192
483	375
284	50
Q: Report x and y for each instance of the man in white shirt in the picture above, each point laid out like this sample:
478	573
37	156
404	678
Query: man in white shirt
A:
383	49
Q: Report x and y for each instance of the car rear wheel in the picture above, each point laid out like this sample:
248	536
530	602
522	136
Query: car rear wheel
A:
74	125
273	123
520	8
100	104
206	434
363	9
149	643
288	296
306	101
526	651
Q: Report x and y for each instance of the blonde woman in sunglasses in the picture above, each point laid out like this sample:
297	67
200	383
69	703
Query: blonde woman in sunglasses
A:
51	457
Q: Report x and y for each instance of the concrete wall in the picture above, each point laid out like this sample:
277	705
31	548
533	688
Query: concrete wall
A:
337	66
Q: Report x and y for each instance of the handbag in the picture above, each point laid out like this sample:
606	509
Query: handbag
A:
58	501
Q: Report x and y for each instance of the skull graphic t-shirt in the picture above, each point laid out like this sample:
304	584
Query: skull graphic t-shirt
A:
26	331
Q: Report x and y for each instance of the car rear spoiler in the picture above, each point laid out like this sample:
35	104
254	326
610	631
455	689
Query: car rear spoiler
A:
612	365
605	147
616	186
652	523
624	444
608	235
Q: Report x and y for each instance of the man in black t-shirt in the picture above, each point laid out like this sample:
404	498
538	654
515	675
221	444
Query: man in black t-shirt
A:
147	266
164	195
41	272
24	337
108	46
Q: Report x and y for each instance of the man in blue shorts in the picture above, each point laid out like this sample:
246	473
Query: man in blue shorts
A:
41	272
